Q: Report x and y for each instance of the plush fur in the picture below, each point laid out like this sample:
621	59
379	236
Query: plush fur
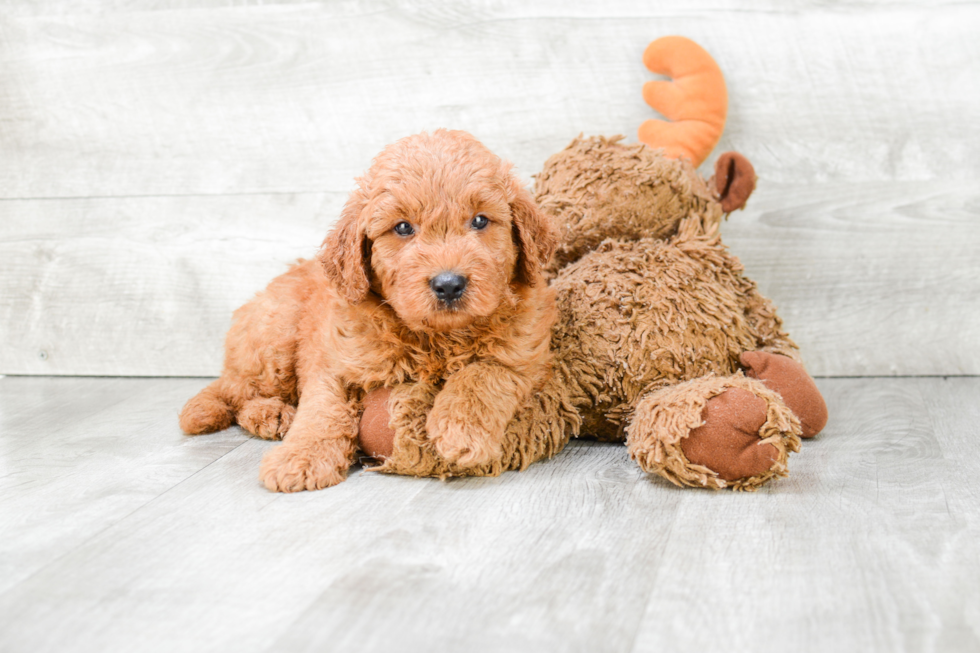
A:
655	317
300	356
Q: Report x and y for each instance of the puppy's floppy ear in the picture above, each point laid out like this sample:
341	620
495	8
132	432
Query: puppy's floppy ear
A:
345	253
535	235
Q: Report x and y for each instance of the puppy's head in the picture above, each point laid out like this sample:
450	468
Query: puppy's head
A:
441	230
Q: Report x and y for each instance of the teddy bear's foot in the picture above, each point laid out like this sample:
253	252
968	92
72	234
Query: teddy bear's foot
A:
714	432
794	385
728	440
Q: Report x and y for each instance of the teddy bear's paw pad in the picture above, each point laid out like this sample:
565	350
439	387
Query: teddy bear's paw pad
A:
728	441
266	417
787	377
294	468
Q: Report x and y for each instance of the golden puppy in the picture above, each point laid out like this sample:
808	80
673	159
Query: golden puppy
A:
433	274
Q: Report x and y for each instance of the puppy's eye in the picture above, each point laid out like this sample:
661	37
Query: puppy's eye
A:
479	222
403	228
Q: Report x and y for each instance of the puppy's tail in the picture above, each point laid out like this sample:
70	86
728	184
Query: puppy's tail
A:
207	412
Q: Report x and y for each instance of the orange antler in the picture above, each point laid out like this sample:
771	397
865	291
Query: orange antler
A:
695	100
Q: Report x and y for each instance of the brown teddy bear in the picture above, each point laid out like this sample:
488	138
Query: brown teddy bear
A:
661	341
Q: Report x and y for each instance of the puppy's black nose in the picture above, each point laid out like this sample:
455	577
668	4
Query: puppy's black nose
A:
448	286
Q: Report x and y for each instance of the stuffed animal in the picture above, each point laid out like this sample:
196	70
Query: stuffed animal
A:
661	341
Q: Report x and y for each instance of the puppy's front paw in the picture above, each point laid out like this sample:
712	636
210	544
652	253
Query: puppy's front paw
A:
463	442
294	467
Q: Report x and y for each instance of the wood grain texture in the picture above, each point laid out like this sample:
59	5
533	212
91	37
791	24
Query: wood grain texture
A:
870	278
872	543
164	160
79	455
498	8
142	286
871	540
288	98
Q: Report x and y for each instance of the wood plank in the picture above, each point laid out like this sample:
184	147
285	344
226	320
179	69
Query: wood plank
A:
208	144
79	455
222	545
142	286
872	279
871	543
290	98
504	8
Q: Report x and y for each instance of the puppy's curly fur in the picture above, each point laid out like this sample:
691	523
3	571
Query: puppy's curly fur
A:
365	314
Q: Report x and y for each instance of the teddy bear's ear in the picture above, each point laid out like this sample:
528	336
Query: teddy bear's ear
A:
345	253
535	235
734	181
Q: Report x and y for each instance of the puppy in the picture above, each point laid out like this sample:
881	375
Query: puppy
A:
433	274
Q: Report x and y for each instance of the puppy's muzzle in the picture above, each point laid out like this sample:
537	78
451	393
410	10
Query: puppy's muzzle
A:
448	287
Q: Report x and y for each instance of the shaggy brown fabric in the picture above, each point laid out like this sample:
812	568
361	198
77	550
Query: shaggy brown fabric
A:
540	429
636	316
794	385
583	187
664	419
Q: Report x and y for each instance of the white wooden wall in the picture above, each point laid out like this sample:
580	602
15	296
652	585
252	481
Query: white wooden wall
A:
161	161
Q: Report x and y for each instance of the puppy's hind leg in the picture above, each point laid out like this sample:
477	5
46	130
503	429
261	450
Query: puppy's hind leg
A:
266	417
207	412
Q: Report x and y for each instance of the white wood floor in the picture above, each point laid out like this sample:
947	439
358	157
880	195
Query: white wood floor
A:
117	533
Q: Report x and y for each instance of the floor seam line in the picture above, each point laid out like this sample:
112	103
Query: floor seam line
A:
116	522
